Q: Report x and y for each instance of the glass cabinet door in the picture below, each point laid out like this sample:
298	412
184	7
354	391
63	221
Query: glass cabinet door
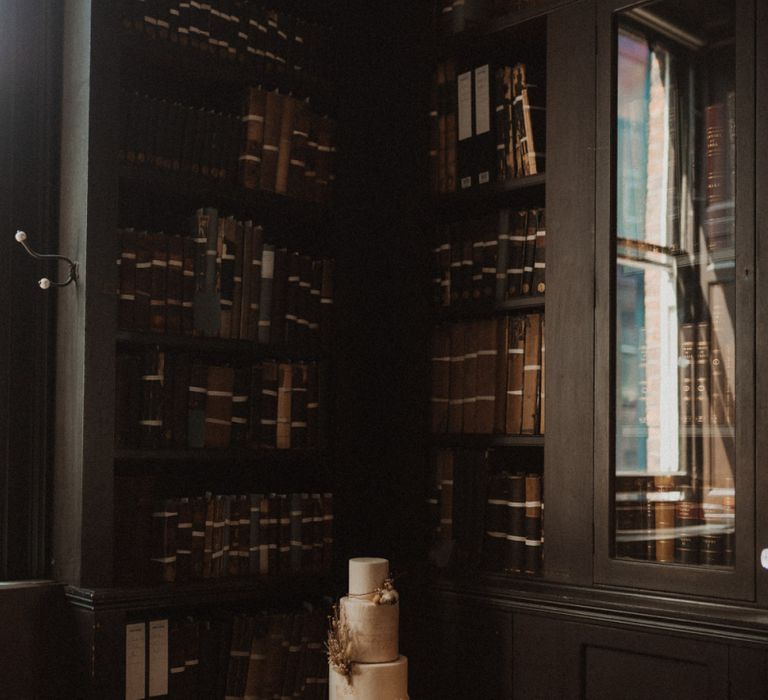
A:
677	317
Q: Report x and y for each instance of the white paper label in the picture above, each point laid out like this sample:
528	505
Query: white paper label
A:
134	661
465	105
158	658
482	101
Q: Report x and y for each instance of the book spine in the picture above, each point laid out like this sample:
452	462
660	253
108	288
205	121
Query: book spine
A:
533	508
174	285
531	374
271	146
188	285
284	390
279	297
298	433
265	297
198	391
165	518
517	249
515	375
530	251
269	401
485	383
538	284
441	378
143	289
218	406
516	539
127	291
241	409
152	381
456	379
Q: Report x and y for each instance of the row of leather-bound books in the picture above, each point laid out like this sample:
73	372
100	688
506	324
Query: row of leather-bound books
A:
218	536
513	523
223	280
277	143
171	399
483	515
226	655
267	39
488	376
453	16
487	125
500	256
660	520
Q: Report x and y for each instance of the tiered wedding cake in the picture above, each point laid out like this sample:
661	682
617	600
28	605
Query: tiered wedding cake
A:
367	629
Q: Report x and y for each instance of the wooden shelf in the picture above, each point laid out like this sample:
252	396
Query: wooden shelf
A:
487	310
520	192
193	191
236	349
173	67
485	441
221	591
267	456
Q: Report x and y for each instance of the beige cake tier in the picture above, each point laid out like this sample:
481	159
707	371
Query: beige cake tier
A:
373	629
387	681
366	574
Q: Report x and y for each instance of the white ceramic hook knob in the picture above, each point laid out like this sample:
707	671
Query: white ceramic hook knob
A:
44	283
21	236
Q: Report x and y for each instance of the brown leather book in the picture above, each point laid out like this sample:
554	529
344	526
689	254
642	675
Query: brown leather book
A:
255	402
324	162
516	259
434	135
226	277
304	309
469	391
531	374
441	378
152	380
517	511
279	297
257	250
271	146
174	285
284	390
284	144
158	280
327	531
313	405
515	375
198	389
533	509
702	368
237	289
486	371
496	521
143	290
127	292
451	133
241	410
456	389
530	251
165	517
179	371
310	173
188	285
297	164
538	282
326	305
442	115
686	371
292	301
218	406
253	138
500	374
268	410
299	399
664	520
184	540
240	322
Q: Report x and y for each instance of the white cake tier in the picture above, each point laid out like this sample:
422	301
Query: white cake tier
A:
373	629
372	682
366	574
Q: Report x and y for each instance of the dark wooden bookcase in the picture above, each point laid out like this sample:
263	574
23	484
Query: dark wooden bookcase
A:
593	625
102	58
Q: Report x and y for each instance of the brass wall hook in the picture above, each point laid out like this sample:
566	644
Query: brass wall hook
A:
45	283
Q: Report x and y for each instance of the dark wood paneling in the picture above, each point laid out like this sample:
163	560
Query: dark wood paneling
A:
570	294
553	658
457	652
36	642
761	279
86	323
748	673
